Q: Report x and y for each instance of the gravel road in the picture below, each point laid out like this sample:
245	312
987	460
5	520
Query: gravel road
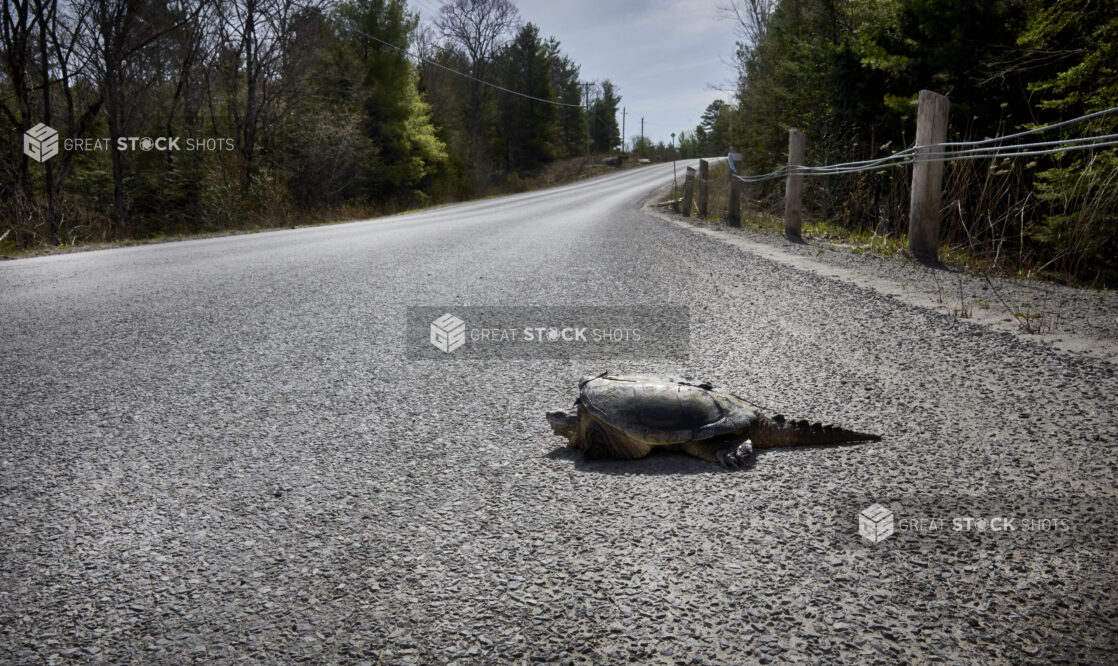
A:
218	450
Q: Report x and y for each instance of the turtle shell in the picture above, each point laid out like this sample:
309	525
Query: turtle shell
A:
664	410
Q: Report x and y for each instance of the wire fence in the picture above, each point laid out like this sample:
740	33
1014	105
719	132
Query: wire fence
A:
992	148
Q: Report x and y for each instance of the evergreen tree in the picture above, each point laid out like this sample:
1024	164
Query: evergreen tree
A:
318	104
529	124
396	119
1080	188
571	119
713	132
847	74
605	135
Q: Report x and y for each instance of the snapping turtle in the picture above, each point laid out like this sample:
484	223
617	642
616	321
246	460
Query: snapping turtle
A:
624	416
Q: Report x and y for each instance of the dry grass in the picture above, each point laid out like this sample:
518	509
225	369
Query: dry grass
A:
986	220
278	213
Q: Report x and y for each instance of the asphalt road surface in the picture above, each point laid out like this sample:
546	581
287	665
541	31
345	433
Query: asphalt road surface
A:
221	450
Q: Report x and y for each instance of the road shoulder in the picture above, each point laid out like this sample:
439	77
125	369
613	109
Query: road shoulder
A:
1079	321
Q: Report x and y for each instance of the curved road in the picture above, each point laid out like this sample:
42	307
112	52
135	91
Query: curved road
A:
219	450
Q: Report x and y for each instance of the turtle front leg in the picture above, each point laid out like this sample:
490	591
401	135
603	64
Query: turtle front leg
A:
732	452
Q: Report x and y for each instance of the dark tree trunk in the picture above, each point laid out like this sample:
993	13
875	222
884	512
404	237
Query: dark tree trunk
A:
113	107
16	33
52	218
251	71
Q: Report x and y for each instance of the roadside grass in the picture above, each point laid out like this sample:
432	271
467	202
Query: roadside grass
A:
1039	318
755	216
340	215
572	169
560	172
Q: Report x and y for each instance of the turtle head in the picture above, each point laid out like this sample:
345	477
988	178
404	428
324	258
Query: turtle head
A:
563	423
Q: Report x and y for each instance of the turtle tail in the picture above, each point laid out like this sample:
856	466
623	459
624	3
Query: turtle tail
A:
778	431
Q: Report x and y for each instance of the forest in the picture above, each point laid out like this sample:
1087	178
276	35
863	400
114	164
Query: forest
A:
184	116
276	112
847	74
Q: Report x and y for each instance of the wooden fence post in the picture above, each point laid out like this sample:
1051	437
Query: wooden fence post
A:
927	177
733	215
704	186
688	191
794	186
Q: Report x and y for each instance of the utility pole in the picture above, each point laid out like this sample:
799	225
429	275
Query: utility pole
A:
642	133
675	202
674	181
622	129
586	85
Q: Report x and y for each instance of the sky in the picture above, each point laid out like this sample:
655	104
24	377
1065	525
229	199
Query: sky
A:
665	56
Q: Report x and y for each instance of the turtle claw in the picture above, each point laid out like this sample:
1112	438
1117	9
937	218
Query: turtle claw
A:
724	458
738	457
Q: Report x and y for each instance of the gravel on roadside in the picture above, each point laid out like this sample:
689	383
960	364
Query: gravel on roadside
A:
1074	319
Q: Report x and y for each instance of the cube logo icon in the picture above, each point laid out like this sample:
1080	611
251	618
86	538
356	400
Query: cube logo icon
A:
40	143
875	523
448	333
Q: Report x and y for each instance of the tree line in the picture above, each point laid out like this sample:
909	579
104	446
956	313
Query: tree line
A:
280	109
847	73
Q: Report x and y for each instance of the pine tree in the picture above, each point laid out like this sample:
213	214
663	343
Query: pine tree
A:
713	132
571	119
1080	189
396	119
605	135
529	124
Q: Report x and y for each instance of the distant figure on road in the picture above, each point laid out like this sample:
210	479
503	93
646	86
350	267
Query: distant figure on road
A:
733	155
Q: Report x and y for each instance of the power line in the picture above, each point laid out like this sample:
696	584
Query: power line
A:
433	10
428	5
454	71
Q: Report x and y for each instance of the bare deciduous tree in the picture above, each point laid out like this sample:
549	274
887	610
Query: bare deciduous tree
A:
481	28
752	16
17	28
122	32
256	38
